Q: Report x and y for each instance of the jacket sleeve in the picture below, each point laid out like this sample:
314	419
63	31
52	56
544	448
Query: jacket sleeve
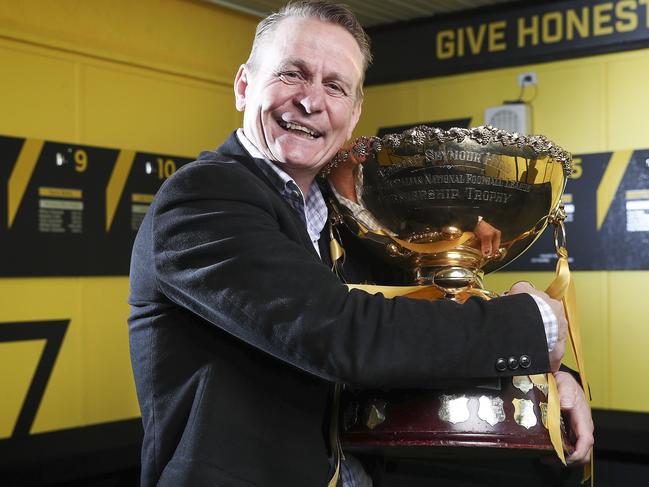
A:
221	252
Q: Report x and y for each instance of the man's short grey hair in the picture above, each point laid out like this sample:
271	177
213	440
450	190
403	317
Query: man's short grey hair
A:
338	14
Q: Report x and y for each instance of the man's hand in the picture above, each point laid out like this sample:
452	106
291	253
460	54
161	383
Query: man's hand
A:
556	354
573	403
342	177
489	237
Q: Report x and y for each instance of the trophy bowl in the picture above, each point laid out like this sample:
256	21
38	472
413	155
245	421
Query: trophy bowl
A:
427	199
448	206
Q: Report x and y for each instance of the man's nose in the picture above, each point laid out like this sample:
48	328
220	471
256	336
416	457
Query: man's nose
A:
311	98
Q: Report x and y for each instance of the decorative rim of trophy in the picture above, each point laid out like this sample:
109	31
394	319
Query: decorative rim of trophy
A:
485	134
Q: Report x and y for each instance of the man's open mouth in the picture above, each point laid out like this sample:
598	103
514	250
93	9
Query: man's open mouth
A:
301	129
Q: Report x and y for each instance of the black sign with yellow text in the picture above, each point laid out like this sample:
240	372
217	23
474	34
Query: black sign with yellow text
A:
73	210
607	227
521	35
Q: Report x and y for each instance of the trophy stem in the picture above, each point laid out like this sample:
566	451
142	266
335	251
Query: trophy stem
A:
457	283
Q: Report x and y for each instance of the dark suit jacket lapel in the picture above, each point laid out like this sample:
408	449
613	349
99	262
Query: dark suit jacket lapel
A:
233	149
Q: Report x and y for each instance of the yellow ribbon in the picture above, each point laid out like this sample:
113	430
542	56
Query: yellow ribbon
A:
554	417
563	288
336	251
334	480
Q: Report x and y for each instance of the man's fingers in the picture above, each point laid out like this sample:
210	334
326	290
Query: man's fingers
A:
342	178
522	287
582	453
489	237
575	407
582	425
496	241
584	441
485	246
357	159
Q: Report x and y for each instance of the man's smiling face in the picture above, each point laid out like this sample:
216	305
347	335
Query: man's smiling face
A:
300	100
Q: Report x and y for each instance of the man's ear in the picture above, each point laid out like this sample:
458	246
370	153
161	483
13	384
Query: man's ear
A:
356	115
240	87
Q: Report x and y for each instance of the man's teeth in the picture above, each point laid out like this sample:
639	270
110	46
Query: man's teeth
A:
294	126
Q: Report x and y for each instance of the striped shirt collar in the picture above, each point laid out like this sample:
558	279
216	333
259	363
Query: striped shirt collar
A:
312	209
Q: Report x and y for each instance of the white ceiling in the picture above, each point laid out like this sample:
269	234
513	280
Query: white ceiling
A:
371	12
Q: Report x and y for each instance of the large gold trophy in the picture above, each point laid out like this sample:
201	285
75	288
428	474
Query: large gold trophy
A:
430	201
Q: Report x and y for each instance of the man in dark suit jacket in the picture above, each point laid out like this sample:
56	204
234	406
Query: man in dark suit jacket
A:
239	330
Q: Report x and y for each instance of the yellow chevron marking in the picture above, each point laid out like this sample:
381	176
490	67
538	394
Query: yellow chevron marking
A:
18	363
610	182
116	184
20	176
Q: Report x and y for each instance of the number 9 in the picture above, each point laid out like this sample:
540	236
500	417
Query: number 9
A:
80	160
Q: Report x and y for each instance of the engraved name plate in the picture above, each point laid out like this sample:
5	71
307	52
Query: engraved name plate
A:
523	383
454	409
491	410
524	413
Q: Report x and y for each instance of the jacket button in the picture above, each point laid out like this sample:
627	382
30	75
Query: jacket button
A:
501	365
525	361
512	363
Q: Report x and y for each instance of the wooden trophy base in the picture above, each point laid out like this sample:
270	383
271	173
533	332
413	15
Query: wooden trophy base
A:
504	418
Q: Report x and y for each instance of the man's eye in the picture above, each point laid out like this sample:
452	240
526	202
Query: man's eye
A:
291	77
335	89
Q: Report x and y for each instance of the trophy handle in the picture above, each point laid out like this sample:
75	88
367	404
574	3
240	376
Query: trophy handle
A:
557	218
